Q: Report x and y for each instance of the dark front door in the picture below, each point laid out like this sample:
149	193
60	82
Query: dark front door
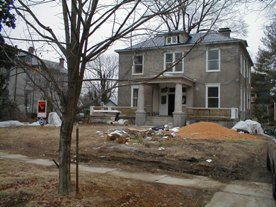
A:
171	104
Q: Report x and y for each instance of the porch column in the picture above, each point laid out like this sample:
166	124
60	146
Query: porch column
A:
140	114
178	98
178	115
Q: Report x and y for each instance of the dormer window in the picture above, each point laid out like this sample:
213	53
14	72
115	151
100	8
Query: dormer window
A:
171	40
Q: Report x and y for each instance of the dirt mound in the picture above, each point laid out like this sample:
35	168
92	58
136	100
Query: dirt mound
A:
209	130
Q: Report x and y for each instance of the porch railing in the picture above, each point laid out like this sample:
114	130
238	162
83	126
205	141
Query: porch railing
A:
212	113
192	113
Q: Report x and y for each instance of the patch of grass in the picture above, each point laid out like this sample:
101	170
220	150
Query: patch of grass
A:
242	141
13	197
137	139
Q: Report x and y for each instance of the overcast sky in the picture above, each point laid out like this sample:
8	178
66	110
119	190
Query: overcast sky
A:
255	20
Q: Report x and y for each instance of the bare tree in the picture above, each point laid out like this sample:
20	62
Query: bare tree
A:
103	72
83	21
199	15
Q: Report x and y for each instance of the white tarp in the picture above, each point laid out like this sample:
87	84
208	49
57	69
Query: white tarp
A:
10	124
53	119
253	127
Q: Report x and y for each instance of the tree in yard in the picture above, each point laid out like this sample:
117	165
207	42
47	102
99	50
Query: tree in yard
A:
83	22
6	17
90	27
103	72
196	16
264	75
7	54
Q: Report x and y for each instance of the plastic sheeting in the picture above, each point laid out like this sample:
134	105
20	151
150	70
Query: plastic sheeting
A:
252	127
53	119
11	123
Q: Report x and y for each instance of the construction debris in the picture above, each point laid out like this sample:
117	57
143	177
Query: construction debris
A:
123	122
123	136
200	130
210	130
118	135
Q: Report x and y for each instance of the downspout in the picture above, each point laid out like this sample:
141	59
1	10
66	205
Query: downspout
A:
15	86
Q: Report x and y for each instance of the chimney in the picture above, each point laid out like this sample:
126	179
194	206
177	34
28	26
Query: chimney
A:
31	50
225	31
61	62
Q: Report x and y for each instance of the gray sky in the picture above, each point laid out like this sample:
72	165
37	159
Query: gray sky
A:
255	20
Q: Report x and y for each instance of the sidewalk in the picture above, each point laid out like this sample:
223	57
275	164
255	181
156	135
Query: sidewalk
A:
236	194
197	181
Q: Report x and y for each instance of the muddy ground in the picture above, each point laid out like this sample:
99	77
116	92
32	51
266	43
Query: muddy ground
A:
228	159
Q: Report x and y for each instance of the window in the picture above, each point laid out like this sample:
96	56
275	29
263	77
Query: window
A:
213	60
248	98
164	99
213	96
171	40
134	96
243	66
138	64
249	74
171	59
241	62
183	96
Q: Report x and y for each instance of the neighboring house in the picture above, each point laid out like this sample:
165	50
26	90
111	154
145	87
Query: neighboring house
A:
24	83
211	83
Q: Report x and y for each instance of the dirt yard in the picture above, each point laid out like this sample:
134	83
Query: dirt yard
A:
223	158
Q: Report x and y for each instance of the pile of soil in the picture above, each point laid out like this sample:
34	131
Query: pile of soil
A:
210	130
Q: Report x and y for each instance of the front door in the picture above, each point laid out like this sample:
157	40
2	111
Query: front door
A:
171	104
167	97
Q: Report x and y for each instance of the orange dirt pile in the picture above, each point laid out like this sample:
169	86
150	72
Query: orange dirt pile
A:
209	130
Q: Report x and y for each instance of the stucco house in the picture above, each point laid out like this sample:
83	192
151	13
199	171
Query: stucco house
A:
179	77
25	80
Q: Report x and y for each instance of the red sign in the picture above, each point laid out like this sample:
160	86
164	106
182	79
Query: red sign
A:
42	108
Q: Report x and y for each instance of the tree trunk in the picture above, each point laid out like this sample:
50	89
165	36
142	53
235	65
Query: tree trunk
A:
64	153
69	108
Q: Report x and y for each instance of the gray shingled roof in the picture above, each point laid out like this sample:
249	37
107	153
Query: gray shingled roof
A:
55	65
50	64
159	41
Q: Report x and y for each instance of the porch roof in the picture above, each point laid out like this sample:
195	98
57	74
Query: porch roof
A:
170	79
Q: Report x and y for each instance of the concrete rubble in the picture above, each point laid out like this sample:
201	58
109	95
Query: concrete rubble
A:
123	136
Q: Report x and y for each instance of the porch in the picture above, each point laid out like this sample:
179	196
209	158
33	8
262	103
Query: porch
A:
193	114
164	96
190	114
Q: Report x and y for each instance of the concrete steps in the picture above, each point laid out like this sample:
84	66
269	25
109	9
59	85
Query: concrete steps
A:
158	120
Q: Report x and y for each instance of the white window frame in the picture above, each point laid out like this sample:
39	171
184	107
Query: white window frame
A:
249	74
244	68
132	88
184	94
244	99
241	62
248	98
206	93
207	60
171	40
173	69
133	64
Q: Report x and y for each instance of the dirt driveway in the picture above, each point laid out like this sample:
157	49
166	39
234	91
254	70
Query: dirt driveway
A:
225	160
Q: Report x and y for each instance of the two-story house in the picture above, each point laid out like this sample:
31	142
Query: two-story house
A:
26	80
186	77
